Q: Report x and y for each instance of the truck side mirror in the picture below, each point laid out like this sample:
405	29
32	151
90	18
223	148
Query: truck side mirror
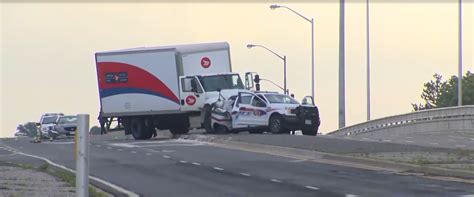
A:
307	100
249	81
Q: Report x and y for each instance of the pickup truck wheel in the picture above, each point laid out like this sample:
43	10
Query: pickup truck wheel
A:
177	131
207	119
256	131
309	132
137	127
220	129
275	125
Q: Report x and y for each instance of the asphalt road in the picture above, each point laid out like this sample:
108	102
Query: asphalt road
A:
168	167
445	139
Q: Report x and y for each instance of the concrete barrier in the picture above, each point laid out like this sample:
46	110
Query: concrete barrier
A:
440	119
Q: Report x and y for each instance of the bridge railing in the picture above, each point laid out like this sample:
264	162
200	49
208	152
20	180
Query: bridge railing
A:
461	118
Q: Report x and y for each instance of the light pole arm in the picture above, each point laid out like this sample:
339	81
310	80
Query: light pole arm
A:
274	84
307	19
281	57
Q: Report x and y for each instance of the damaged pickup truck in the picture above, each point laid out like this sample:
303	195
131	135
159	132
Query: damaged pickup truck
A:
258	112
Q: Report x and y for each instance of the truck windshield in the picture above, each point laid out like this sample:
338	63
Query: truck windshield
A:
49	120
216	82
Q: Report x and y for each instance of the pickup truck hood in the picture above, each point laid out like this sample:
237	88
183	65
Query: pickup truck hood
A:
283	106
213	96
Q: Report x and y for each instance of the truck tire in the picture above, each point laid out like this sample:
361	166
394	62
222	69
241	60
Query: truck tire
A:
275	125
309	132
206	110
256	131
178	131
139	130
220	129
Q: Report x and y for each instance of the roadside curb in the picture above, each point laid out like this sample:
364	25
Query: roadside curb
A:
330	158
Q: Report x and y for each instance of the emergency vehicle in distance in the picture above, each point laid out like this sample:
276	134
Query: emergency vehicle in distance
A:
165	88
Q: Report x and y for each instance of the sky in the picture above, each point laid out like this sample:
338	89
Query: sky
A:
47	50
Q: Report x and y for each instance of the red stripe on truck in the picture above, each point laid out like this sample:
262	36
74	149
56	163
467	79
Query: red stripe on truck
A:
138	79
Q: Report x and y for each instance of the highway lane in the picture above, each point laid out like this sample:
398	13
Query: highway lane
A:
180	168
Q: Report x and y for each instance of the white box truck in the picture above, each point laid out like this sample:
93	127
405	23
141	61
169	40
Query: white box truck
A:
165	88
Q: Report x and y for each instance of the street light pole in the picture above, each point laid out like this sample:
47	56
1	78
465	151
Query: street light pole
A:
312	57
285	91
312	41
342	83
368	60
460	56
284	75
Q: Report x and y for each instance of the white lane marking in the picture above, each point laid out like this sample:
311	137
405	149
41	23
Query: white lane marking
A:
168	151
120	150
408	141
196	164
217	168
472	139
298	160
407	138
120	189
166	156
457	145
244	174
133	152
351	195
108	147
182	161
468	195
178	142
276	180
311	187
386	140
59	143
148	154
434	143
8	155
98	146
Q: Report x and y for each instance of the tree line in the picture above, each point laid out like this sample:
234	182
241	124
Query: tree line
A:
444	93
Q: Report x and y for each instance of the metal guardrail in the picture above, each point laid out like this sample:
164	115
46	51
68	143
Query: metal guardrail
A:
461	118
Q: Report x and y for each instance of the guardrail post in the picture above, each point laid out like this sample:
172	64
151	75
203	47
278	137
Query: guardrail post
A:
82	156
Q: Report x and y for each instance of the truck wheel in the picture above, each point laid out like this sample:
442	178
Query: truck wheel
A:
275	125
138	129
177	131
256	131
220	129
313	130
309	132
207	119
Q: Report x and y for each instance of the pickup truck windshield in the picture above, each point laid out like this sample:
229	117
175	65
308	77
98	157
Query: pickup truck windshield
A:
279	98
67	119
216	82
49	120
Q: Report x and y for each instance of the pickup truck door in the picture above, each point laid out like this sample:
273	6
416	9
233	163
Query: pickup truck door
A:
191	93
249	111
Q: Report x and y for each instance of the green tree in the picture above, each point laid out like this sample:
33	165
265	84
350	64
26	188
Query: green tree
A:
438	93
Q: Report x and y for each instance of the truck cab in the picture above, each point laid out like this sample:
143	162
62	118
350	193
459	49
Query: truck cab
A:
197	91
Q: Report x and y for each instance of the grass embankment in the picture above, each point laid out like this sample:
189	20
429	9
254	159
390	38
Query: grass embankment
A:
68	177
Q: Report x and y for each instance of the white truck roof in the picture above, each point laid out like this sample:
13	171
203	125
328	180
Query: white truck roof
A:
183	48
